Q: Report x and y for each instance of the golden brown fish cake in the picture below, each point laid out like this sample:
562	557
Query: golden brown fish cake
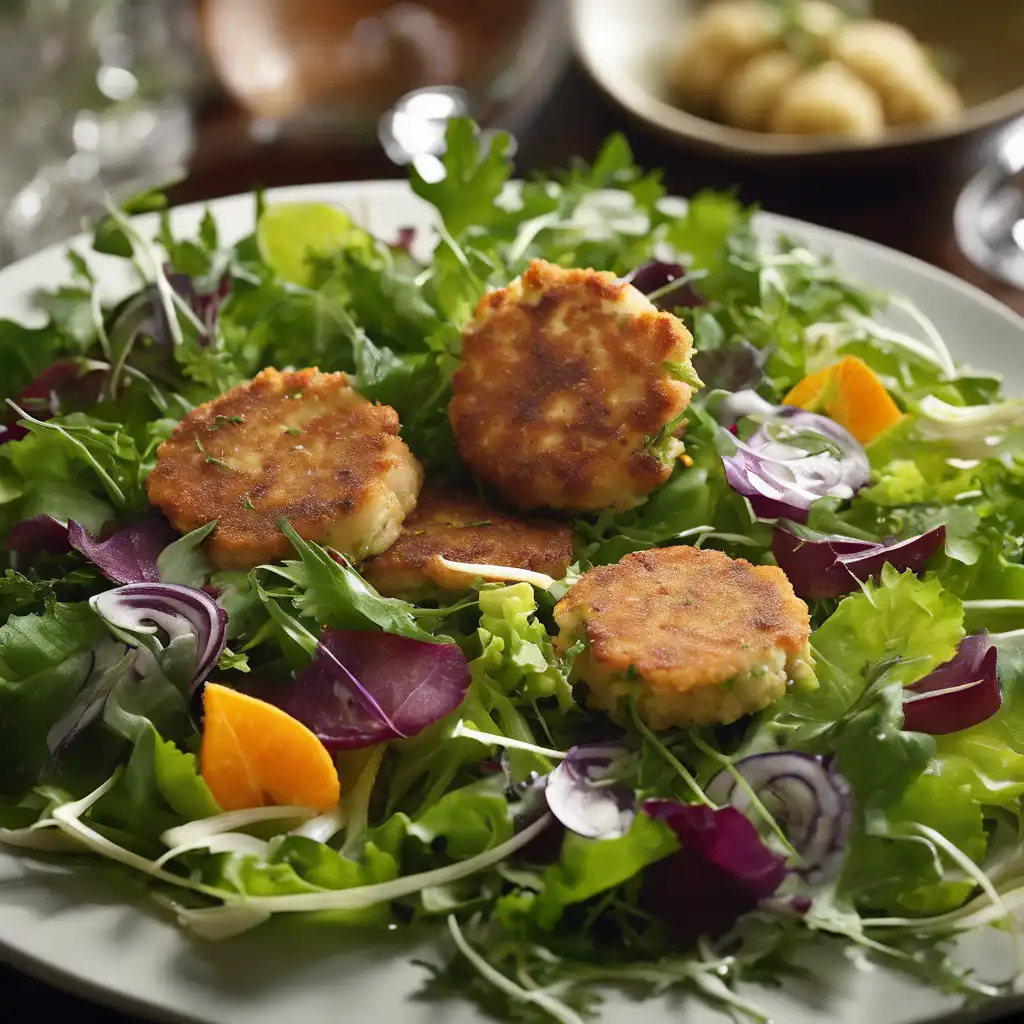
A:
300	445
464	528
565	379
697	637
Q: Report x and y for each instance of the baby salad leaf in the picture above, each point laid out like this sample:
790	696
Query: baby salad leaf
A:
182	561
44	661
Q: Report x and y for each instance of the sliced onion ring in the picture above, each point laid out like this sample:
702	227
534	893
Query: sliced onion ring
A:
809	799
579	796
149	607
782	479
961	693
821	566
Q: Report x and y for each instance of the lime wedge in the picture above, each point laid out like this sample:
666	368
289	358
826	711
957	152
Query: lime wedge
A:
289	234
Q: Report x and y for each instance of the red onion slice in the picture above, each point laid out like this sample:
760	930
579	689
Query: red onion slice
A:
35	536
963	692
581	795
811	802
821	566
794	458
148	607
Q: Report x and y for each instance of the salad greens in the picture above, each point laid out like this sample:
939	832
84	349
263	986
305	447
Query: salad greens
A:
627	871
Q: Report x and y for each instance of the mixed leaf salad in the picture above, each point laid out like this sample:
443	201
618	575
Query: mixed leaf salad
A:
475	791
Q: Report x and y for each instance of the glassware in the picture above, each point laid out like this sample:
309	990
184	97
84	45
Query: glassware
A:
95	97
336	66
989	217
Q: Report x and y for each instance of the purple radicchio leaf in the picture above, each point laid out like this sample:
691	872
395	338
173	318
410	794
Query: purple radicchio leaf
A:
38	535
962	692
405	240
581	792
666	284
61	388
130	555
722	870
205	305
365	688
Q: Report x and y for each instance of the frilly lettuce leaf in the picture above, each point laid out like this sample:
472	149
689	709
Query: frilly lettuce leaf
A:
877	642
900	871
529	666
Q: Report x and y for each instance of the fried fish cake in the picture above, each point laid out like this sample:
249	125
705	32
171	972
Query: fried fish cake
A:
567	378
463	528
300	445
697	637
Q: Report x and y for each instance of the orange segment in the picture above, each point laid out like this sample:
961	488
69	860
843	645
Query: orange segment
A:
850	393
254	754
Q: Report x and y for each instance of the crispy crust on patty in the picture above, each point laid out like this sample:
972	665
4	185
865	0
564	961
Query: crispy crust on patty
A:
463	528
299	445
682	617
563	381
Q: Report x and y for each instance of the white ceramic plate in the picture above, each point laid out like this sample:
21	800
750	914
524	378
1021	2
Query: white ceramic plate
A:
81	929
626	49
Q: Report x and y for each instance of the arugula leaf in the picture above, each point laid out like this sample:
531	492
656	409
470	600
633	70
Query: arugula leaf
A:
336	595
473	180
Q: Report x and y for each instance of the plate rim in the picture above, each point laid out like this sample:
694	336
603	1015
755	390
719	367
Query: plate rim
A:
702	132
62	976
324	191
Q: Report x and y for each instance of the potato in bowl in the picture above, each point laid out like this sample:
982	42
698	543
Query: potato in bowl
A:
807	69
964	76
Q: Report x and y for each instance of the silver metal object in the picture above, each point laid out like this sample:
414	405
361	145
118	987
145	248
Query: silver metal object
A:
413	130
989	216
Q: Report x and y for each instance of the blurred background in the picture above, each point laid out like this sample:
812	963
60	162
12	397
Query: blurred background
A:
214	97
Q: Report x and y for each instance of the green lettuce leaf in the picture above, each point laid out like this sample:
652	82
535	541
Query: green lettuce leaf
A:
900	870
587	867
877	642
44	661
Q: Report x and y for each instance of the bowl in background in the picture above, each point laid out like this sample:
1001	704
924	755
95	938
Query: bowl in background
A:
627	50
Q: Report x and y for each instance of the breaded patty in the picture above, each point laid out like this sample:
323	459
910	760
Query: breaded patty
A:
566	378
463	528
303	446
699	638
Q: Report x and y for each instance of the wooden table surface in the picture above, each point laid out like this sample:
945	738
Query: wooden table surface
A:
911	212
